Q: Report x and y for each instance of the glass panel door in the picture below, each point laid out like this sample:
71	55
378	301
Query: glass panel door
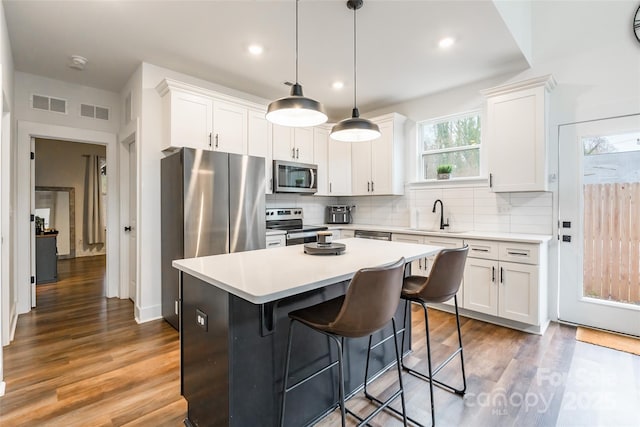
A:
599	202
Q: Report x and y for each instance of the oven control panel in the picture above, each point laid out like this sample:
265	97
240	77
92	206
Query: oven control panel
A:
283	213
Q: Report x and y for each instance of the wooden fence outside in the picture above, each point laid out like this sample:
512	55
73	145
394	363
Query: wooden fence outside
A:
612	242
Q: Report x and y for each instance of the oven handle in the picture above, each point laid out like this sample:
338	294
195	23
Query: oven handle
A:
301	235
313	178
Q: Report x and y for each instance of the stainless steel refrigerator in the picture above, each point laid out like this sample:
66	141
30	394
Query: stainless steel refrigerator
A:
211	203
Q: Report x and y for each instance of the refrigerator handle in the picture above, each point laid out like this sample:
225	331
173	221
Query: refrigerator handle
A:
313	178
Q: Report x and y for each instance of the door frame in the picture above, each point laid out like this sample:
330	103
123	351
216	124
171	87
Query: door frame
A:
25	132
130	136
598	308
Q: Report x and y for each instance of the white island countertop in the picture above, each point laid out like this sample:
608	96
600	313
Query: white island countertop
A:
267	275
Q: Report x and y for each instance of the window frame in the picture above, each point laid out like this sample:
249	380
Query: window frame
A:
420	178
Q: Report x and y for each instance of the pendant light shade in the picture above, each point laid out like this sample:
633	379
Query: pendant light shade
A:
355	128
296	110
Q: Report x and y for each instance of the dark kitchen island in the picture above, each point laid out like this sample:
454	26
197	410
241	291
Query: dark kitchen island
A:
234	324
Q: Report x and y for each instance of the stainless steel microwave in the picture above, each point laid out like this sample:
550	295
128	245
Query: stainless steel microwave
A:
293	177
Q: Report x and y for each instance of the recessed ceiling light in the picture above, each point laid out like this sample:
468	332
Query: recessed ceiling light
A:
337	85
256	49
446	42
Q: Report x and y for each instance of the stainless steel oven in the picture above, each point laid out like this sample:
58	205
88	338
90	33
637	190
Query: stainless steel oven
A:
293	177
290	220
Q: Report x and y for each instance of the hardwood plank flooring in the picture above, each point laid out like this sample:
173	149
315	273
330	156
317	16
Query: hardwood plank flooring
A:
80	359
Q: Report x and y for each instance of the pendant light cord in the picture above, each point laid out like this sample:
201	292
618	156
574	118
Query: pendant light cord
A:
355	81
297	41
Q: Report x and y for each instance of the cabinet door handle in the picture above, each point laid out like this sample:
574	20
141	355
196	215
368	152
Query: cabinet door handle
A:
293	153
330	188
372	186
210	144
501	275
419	263
216	140
490	180
493	274
368	186
297	153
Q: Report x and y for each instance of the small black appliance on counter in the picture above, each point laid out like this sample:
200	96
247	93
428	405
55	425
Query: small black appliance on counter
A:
339	214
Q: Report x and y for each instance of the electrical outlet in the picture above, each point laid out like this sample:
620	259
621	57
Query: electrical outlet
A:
202	319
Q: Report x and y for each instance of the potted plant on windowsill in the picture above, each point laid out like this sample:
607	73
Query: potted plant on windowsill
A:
444	171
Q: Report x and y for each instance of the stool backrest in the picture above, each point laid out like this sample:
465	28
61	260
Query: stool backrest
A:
445	276
371	300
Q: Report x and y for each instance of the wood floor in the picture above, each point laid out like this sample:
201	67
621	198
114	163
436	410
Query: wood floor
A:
80	359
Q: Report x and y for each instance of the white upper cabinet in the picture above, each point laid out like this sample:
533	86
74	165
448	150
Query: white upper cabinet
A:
516	135
188	120
339	167
334	163
259	142
293	144
320	156
199	118
377	166
229	127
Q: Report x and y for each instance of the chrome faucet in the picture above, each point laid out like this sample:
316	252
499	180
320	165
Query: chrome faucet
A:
442	223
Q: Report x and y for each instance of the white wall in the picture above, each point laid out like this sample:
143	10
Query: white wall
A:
29	84
590	50
149	140
70	127
7	289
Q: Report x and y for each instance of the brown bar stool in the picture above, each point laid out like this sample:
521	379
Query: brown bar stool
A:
369	304
441	285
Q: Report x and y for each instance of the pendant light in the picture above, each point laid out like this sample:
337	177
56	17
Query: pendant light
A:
355	128
296	110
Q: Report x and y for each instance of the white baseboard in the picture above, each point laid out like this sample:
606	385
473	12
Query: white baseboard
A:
147	314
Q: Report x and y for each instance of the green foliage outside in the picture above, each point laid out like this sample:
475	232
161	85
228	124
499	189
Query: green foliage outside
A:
463	133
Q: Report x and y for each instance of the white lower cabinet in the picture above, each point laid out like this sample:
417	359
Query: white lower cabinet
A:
276	241
501	279
422	266
506	289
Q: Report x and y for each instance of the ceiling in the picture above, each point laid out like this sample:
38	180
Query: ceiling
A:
398	54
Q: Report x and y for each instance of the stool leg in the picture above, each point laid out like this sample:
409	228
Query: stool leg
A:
407	303
366	367
343	410
426	326
286	373
399	363
464	377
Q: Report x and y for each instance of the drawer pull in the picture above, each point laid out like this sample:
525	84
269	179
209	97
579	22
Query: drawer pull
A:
518	253
273	243
480	250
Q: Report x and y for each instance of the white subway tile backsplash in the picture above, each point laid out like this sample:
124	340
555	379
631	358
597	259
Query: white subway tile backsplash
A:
468	209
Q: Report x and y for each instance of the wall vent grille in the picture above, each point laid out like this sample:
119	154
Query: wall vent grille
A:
48	103
94	112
